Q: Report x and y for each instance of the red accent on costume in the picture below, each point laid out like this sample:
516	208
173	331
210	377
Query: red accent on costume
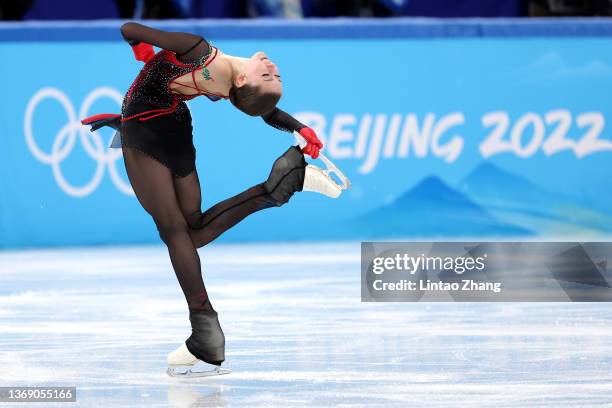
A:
193	78
143	52
176	99
98	117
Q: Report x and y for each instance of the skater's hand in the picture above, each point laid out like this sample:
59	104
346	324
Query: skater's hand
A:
143	52
313	144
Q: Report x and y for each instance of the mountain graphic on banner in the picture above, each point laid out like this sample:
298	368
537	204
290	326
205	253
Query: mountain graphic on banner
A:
434	209
521	202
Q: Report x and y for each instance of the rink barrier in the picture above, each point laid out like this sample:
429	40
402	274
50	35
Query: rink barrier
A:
341	28
469	109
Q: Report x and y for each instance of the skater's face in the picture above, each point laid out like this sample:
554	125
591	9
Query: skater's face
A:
261	72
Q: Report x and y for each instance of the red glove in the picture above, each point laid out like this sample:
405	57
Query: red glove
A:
313	144
143	52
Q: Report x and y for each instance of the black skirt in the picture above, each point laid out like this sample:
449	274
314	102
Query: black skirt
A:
166	138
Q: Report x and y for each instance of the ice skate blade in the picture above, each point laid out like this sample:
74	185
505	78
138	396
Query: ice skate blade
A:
331	168
186	372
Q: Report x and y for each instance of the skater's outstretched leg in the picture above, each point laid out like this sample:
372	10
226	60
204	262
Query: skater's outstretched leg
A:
205	227
289	175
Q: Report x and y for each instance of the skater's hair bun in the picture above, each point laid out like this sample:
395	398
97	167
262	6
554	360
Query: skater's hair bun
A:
250	100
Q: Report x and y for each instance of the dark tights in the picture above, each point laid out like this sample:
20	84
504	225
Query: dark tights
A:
175	205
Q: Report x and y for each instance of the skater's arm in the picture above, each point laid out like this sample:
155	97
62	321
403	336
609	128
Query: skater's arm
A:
281	120
188	47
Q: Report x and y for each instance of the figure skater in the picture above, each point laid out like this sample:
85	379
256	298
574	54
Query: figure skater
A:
155	133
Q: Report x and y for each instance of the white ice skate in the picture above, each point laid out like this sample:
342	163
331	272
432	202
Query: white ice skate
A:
319	180
181	363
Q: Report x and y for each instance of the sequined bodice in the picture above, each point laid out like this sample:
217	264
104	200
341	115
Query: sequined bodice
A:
150	94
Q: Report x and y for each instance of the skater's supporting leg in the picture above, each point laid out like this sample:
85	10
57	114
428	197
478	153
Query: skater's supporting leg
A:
152	182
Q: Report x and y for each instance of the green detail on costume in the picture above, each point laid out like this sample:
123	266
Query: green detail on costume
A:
205	71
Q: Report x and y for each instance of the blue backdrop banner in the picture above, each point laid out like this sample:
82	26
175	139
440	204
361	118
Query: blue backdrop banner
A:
473	132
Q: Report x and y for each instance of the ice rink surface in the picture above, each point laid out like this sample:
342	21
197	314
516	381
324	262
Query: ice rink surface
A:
297	334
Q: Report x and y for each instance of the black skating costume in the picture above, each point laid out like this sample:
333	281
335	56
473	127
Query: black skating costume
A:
156	134
157	121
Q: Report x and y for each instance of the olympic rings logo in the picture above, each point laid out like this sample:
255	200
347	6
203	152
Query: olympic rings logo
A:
66	138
